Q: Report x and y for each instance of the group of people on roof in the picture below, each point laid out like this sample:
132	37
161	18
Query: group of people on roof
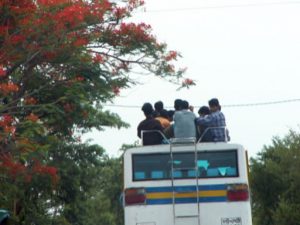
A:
161	124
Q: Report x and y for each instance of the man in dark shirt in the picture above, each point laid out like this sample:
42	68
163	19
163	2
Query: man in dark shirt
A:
150	124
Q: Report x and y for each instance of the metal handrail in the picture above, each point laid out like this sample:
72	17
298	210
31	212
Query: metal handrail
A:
211	128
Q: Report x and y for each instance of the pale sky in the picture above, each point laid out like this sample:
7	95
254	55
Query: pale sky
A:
238	51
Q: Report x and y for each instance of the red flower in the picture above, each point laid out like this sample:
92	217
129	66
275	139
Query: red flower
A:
8	87
98	58
8	119
32	117
116	90
80	42
188	81
2	72
6	122
50	55
68	107
171	55
16	39
4	30
30	101
120	12
79	78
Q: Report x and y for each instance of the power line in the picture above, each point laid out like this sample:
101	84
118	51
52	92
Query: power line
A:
222	6
263	103
226	105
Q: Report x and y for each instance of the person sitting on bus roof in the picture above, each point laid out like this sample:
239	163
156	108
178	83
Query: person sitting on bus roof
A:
178	104
202	132
169	132
153	137
171	115
215	121
158	107
163	118
184	122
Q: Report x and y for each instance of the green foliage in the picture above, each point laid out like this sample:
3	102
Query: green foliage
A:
87	192
60	62
275	182
89	186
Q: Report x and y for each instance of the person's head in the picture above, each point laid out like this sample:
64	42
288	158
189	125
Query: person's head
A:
158	106
214	105
147	109
170	115
203	111
164	113
185	104
178	104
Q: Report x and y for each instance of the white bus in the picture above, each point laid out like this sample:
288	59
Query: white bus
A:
187	184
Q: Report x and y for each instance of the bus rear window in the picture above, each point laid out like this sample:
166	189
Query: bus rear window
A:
210	164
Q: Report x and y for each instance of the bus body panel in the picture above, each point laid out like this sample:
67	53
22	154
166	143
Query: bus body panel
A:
214	207
233	213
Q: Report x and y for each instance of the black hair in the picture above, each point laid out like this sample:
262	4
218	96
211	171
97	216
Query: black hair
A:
171	114
185	104
164	113
213	102
204	110
147	109
178	104
158	106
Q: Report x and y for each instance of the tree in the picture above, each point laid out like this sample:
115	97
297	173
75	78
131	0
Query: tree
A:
60	61
89	187
275	182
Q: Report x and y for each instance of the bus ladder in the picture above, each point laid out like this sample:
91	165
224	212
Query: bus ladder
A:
176	142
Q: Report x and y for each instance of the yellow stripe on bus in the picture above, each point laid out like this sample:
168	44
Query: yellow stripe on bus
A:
216	193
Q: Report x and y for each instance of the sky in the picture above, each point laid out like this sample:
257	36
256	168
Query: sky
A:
241	52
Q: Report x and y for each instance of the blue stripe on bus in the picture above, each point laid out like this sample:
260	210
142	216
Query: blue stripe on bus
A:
213	187
185	200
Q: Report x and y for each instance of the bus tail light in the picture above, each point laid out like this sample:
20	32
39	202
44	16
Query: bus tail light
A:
237	192
135	196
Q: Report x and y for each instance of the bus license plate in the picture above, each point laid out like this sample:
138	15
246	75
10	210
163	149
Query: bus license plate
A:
231	221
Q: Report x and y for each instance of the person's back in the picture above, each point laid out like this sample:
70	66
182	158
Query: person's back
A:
184	123
153	126
218	125
163	119
215	121
203	134
158	107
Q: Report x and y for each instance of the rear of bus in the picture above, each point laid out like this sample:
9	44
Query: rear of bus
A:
163	189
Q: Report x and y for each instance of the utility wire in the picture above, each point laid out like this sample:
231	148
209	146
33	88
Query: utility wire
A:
262	103
226	105
222	6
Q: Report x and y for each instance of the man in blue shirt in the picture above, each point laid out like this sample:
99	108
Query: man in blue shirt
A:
215	121
184	122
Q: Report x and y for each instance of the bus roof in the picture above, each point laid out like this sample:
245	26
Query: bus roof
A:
210	146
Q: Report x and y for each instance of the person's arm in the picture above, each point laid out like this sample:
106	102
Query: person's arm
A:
175	116
158	126
205	121
139	131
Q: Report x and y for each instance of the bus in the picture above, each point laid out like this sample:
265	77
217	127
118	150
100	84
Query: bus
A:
187	183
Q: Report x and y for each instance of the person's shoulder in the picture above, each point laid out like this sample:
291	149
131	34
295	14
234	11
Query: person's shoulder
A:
191	113
179	112
218	113
142	122
152	120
